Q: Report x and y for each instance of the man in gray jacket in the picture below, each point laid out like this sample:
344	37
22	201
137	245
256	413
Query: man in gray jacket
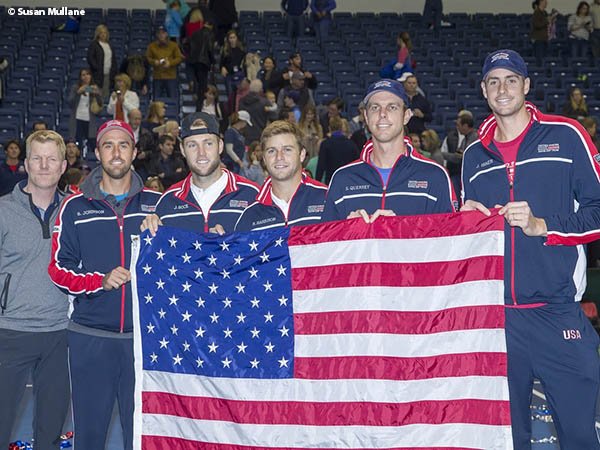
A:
33	316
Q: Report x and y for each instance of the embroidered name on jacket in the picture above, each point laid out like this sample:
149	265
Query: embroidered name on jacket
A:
545	148
358	187
87	212
415	184
238	203
263	221
148	208
316	208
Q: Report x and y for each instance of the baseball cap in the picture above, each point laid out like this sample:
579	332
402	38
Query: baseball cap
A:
404	76
161	28
504	59
114	125
212	127
245	116
386	85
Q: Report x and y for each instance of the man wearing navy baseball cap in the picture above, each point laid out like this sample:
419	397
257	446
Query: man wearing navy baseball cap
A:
90	258
390	178
543	172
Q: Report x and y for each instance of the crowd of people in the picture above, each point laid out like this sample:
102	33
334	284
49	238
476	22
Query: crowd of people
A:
270	157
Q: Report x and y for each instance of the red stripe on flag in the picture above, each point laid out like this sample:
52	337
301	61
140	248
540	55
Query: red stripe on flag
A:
394	322
399	274
163	442
431	412
393	368
408	227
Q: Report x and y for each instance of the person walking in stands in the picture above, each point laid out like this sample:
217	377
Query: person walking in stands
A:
89	261
164	56
543	172
211	198
288	197
390	178
33	319
102	60
321	15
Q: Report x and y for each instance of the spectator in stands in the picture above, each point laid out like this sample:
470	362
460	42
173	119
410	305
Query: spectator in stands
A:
335	151
591	126
313	132
102	60
321	16
253	170
122	100
155	184
575	107
73	154
417	144
164	56
170	127
174	19
433	11
289	196
83	118
201	58
136	66
402	64
39	125
418	104
71	180
296	84
226	17
335	106
540	26
294	14
232	62
33	319
155	117
271	77
431	143
455	143
168	166
212	106
90	262
595	36
287	115
235	142
357	122
580	26
361	135
290	101
294	66
381	178
259	109
144	143
12	169
270	95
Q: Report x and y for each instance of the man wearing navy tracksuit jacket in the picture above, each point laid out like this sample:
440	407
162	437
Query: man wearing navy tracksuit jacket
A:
390	178
289	196
544	173
89	260
209	199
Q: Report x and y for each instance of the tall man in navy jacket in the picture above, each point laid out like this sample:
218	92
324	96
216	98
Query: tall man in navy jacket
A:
90	254
289	196
543	172
389	178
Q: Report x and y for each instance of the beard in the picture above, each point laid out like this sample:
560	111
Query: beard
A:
116	173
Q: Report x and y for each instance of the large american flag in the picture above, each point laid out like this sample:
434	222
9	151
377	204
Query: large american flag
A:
338	335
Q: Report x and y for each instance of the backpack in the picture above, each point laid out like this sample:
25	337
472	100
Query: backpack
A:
136	68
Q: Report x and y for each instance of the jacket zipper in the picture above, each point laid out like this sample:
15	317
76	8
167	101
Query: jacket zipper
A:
512	242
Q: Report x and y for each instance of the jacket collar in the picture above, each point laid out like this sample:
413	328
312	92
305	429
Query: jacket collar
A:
184	187
488	127
367	151
265	195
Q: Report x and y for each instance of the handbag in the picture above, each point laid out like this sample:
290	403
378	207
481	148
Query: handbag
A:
95	107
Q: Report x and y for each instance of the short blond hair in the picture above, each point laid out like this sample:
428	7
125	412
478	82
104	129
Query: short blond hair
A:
46	136
99	29
282	127
125	79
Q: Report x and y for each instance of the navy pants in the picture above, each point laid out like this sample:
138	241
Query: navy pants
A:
557	345
44	356
101	373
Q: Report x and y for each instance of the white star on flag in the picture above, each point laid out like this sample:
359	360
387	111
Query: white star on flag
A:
148	298
254	363
160	284
185	317
264	257
162	313
278	242
241	318
173	242
163	343
255	332
253	272
224	246
213	288
200	302
255	302
198	273
177	360
283	362
150	328
200	362
174	329
153	357
186	258
212	260
226	362
268	286
212	348
173	271
253	246
242	348
225	274
173	300
147	269
200	332
281	270
227	303
148	240
227	332
214	318
160	254
238	260
197	245
282	300
268	317
186	346
240	288
186	287
284	331
269	347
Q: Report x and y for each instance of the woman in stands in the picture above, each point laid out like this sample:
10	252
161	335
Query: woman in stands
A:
403	58
232	62
83	119
156	116
271	77
580	26
576	107
12	169
212	106
431	143
102	60
123	99
591	126
313	132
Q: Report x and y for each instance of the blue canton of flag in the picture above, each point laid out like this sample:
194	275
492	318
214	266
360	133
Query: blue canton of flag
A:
216	306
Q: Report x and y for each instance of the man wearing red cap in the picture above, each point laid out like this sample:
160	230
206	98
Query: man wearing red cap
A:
543	172
89	260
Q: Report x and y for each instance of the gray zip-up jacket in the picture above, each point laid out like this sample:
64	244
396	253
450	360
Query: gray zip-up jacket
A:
34	303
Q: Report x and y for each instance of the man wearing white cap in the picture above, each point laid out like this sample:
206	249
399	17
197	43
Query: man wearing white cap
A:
543	172
90	255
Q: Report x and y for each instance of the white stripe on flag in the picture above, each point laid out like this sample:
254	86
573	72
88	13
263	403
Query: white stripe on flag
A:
448	248
402	345
446	435
298	390
383	298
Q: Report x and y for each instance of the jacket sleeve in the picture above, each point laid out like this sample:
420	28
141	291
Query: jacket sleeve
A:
583	225
131	101
177	57
112	101
65	260
447	201
465	173
333	211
